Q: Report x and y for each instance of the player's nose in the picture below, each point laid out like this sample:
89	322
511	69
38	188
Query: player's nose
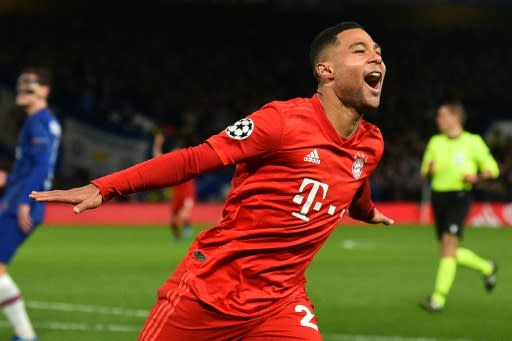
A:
376	58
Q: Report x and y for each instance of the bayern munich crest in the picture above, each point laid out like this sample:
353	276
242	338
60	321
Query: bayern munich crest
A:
241	129
357	166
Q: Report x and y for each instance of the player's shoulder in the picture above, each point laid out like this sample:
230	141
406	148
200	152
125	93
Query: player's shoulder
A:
369	137
472	136
48	122
292	106
45	115
437	138
370	129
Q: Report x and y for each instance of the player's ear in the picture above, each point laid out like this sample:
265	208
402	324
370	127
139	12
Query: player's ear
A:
324	70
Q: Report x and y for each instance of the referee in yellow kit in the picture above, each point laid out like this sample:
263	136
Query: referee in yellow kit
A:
454	161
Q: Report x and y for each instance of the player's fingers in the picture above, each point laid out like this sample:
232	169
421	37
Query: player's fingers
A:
56	195
388	221
25	223
382	219
70	196
88	204
27	226
84	205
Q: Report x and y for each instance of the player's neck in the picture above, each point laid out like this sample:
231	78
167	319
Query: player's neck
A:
454	132
32	109
344	119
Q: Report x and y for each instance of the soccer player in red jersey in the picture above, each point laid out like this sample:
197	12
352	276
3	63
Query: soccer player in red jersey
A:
182	200
300	166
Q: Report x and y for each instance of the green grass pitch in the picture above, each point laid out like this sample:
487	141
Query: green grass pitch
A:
97	284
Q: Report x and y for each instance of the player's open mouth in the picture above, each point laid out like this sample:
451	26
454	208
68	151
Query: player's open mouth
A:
373	79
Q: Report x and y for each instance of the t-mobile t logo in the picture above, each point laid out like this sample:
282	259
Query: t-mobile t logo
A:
310	200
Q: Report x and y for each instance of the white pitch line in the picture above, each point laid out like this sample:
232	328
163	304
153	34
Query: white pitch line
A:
81	326
342	337
82	308
122	328
350	244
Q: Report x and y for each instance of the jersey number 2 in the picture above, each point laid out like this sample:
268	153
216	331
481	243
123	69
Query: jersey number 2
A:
306	320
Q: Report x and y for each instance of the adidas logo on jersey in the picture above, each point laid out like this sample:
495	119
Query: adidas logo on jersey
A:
312	157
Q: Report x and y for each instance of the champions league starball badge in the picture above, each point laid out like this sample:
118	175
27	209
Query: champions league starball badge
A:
241	129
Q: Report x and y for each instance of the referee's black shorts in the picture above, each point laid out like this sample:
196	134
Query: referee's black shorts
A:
450	211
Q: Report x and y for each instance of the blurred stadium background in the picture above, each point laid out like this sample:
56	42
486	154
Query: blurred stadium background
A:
191	68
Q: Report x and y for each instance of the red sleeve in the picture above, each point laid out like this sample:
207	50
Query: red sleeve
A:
362	207
166	170
257	135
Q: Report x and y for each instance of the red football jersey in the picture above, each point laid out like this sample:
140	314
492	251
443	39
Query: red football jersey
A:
295	178
185	190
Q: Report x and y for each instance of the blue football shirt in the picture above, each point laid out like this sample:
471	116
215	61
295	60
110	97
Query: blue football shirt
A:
33	170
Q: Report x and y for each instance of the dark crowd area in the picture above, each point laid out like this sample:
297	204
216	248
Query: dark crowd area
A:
194	71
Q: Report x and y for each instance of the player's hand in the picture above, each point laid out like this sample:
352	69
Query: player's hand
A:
24	219
85	198
431	165
3	178
471	178
159	140
380	218
430	170
158	144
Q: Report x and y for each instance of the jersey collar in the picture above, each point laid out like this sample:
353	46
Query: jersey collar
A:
327	126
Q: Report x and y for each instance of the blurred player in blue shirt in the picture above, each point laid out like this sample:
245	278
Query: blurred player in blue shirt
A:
36	154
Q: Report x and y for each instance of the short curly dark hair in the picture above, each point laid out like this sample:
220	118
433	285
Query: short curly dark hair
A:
44	75
328	37
456	107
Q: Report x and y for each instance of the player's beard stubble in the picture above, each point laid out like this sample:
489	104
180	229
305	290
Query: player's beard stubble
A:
352	94
355	97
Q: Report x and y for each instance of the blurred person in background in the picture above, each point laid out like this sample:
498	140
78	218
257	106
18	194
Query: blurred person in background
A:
454	161
33	169
183	195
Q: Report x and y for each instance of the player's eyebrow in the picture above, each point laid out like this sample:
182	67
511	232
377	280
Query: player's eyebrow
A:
365	45
360	43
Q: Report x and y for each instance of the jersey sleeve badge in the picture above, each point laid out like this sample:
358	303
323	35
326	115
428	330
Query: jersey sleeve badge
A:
55	128
241	129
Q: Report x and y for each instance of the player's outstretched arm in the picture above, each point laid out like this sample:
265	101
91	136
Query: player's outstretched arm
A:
84	198
164	171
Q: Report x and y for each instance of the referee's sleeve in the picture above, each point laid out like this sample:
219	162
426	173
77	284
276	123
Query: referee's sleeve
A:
484	158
